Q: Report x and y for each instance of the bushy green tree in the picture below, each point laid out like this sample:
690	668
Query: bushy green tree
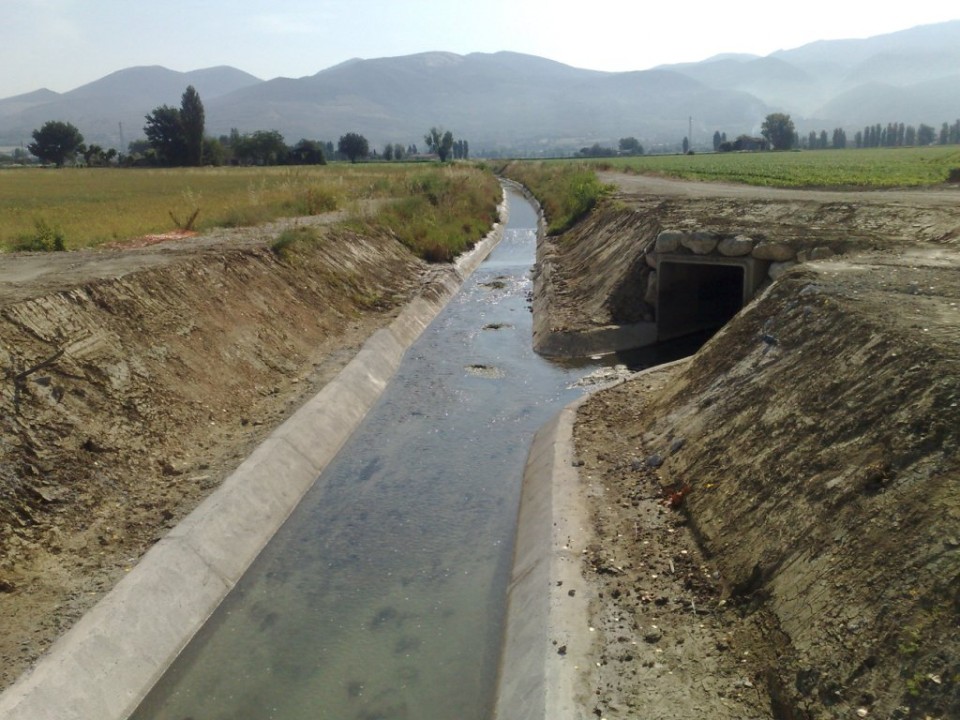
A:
263	147
632	146
176	134
779	131
925	135
55	141
307	152
439	142
353	146
165	134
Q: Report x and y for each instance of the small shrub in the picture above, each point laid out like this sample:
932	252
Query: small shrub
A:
46	238
318	200
283	246
953	176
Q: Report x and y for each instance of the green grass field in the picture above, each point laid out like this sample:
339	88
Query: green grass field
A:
89	207
865	169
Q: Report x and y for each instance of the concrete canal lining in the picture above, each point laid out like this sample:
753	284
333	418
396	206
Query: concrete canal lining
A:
108	661
547	661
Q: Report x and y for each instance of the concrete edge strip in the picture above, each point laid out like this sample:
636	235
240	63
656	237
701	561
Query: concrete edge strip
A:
546	666
109	660
547	641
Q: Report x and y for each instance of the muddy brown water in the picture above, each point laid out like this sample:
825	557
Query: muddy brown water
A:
383	595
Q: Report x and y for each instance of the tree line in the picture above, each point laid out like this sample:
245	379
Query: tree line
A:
779	133
175	137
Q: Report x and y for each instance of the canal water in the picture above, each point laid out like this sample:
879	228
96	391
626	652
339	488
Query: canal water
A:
382	597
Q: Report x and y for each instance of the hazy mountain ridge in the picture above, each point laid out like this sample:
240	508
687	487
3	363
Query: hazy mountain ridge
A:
522	103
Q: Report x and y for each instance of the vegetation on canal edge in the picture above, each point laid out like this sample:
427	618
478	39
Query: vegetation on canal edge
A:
439	212
566	190
436	211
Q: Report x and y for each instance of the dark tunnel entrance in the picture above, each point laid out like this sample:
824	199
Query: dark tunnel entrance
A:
696	294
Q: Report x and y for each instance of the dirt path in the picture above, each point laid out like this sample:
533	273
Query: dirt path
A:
777	520
945	196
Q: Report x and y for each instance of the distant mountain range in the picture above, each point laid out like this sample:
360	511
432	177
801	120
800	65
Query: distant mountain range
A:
513	103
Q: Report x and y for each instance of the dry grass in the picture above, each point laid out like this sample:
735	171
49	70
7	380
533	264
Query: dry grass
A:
90	207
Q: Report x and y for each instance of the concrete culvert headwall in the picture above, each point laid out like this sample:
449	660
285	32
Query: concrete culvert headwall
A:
698	293
619	281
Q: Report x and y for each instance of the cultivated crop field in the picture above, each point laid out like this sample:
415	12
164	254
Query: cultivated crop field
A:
856	169
449	205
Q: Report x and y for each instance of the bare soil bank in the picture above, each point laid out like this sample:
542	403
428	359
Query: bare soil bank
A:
777	521
136	380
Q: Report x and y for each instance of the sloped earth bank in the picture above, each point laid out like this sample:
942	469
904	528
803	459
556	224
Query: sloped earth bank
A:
136	380
777	521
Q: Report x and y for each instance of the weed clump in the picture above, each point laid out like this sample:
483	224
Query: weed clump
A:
45	238
283	246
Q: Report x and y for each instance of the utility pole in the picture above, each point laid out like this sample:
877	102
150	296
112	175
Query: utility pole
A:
122	144
690	132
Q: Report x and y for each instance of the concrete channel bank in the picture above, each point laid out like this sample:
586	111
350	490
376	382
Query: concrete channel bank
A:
547	661
107	662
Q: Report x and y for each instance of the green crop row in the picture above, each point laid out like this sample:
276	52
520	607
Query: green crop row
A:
862	169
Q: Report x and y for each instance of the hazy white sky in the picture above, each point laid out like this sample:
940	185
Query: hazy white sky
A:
62	44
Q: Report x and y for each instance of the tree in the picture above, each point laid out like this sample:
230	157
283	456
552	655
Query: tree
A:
686	145
632	146
214	152
597	150
353	146
307	152
191	124
56	141
398	151
439	142
461	150
263	147
925	135
388	152
779	130
96	156
164	132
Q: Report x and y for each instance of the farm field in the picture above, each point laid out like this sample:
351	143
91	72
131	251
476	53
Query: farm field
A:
854	169
93	206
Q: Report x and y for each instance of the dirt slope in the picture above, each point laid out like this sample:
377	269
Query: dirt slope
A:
778	521
136	380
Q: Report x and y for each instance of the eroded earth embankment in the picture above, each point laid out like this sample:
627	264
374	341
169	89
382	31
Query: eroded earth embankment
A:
128	398
777	521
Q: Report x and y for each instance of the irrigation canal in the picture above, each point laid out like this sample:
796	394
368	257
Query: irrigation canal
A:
382	597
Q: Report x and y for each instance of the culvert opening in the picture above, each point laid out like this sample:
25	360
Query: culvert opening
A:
701	294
